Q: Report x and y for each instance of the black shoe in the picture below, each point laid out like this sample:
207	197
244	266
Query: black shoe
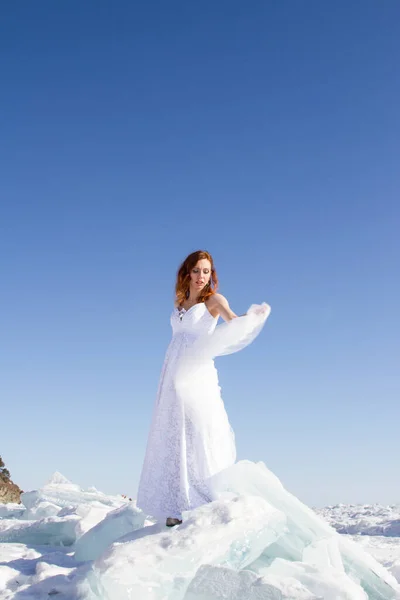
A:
172	522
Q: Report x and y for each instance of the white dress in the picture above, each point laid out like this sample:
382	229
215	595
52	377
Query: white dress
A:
190	436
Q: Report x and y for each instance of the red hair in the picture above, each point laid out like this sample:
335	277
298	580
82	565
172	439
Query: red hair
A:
183	278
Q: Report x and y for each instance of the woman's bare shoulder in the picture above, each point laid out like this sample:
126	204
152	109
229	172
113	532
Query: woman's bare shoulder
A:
216	300
217	304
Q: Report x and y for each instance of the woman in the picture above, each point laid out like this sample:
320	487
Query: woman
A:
190	436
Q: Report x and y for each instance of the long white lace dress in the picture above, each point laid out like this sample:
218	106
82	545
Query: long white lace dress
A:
190	437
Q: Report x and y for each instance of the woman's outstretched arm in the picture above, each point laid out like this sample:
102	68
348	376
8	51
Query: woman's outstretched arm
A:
217	304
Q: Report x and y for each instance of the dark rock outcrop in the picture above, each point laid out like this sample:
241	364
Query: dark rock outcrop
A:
9	492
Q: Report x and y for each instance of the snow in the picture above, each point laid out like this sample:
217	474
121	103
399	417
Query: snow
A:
61	492
10	511
255	541
115	525
58	479
385	550
53	531
157	564
219	583
368	519
307	537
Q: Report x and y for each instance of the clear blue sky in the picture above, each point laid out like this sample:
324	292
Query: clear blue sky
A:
266	132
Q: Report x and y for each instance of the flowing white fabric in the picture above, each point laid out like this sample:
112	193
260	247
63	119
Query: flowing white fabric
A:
190	437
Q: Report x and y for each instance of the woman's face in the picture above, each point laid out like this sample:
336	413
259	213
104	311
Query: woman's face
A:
200	274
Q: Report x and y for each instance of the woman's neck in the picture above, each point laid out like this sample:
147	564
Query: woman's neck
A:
193	297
